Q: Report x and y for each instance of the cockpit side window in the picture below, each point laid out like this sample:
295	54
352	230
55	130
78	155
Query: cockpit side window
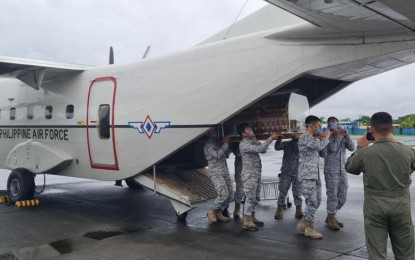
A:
12	114
48	112
104	121
30	113
70	110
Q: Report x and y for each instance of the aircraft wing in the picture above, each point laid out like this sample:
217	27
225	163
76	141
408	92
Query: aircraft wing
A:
34	72
356	16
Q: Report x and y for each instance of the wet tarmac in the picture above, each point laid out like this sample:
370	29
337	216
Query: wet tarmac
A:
84	219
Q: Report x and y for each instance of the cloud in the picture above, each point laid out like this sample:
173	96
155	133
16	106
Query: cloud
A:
77	31
392	92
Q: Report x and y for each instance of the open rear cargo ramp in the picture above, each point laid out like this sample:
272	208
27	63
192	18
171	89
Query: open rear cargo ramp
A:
185	188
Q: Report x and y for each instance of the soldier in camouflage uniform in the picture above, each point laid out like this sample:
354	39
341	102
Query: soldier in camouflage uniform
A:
289	174
334	171
251	173
310	146
219	174
387	166
238	179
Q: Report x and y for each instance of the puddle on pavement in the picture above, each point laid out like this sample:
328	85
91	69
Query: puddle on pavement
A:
99	235
67	246
62	246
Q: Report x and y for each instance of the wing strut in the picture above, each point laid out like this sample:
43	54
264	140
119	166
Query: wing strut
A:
33	77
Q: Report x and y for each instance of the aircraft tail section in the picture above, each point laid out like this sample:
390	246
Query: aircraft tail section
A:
266	18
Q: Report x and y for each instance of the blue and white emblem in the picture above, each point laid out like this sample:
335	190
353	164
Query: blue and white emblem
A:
149	127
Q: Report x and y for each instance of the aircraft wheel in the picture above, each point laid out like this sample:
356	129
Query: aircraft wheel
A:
132	184
21	185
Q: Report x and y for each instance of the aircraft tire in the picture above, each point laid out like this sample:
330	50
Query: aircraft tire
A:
132	184
20	185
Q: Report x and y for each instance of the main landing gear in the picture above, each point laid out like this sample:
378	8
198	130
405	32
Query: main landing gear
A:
21	185
132	184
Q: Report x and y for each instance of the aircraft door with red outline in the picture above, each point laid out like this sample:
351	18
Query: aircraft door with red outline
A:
100	123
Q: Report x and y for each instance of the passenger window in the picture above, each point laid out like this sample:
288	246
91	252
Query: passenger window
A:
48	112
104	121
70	111
12	114
30	112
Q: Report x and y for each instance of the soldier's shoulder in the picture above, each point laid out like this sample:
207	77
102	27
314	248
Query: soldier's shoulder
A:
243	143
405	147
303	137
365	150
211	143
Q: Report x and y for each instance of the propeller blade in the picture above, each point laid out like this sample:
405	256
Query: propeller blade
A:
146	52
111	55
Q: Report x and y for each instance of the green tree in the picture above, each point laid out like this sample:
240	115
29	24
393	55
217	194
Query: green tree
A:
407	121
364	120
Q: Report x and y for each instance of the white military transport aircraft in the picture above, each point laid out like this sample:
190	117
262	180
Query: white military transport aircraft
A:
145	122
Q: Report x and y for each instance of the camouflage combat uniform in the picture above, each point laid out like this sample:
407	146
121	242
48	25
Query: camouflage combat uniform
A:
335	173
310	149
219	173
251	171
289	171
238	169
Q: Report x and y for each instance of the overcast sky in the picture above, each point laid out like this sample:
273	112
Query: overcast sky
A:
81	31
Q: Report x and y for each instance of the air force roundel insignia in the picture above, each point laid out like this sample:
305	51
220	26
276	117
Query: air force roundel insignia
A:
149	127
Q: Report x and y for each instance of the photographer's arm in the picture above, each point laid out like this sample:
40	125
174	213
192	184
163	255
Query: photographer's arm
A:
412	169
354	164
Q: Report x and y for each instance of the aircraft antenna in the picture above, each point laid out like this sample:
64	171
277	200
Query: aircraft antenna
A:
230	27
111	55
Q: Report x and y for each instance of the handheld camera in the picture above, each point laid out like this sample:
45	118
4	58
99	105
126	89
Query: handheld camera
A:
369	136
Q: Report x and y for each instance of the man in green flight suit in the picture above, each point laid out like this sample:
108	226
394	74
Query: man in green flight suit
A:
387	166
